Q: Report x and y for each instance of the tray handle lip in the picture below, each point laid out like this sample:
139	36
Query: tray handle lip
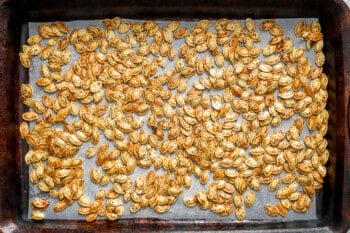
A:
16	222
7	158
346	54
343	223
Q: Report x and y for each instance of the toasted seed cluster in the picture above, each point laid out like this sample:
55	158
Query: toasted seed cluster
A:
221	125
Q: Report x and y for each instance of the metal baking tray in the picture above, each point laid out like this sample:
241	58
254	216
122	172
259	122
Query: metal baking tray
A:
333	202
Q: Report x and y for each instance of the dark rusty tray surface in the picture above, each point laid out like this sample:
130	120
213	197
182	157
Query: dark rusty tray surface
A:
334	212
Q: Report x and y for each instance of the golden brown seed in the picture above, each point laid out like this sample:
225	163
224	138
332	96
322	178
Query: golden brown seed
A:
84	201
168	35
320	59
238	200
271	210
91	217
90	151
124	27
24	129
240	213
249	199
37	215
29	116
40	203
25	60
60	206
299	28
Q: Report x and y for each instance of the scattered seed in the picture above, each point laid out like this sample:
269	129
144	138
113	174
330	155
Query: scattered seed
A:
193	135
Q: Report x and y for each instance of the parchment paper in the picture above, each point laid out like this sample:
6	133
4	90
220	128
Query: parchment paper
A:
177	210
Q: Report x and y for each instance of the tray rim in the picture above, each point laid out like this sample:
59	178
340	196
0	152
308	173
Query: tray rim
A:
12	221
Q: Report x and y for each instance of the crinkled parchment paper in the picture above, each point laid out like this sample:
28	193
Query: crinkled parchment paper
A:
177	210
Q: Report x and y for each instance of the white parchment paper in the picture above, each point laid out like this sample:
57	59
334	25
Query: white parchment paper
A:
177	210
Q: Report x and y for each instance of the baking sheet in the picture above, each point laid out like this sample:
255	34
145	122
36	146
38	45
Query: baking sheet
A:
177	210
